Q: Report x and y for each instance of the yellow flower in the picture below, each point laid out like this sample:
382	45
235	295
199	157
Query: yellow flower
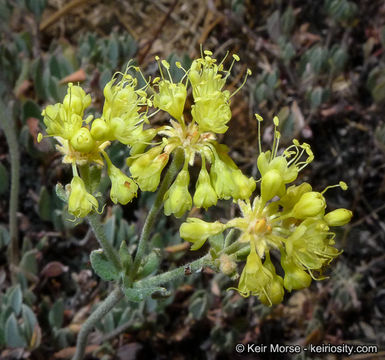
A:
309	205
205	195
338	217
171	98
123	188
177	199
80	202
65	119
212	114
146	168
198	231
291	220
295	277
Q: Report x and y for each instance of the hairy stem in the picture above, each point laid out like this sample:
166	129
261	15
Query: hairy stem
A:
97	227
10	134
175	166
176	273
110	301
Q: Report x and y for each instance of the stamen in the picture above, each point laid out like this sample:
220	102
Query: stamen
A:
137	69
259	119
278	135
248	72
341	184
276	123
160	68
223	60
166	65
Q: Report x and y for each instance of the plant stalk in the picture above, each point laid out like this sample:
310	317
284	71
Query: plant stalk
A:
174	274
174	168
108	249
110	301
10	134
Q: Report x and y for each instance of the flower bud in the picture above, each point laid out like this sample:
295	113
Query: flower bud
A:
310	204
82	140
221	179
295	277
244	186
80	202
76	100
274	292
338	217
198	231
271	185
205	195
263	162
227	265
177	199
293	194
123	188
99	129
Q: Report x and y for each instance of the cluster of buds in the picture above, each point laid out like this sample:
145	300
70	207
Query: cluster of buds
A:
289	220
83	141
209	115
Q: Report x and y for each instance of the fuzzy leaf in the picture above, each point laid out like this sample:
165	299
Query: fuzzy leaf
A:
13	336
102	267
56	314
15	299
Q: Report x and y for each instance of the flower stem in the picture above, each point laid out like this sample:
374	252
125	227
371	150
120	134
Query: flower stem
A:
110	301
10	134
110	252
174	168
176	273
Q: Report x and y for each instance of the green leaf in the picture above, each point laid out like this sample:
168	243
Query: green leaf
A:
30	321
125	257
110	228
108	323
198	306
105	77
56	314
316	97
36	6
4	236
31	110
103	267
28	262
287	21
4	179
150	264
94	178
273	25
45	205
138	294
61	193
13	337
15	299
113	51
217	242
37	75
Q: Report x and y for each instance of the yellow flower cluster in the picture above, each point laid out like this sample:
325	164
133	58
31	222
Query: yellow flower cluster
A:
83	144
290	220
209	115
83	141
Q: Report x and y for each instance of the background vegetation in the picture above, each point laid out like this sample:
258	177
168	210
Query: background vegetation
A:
319	65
